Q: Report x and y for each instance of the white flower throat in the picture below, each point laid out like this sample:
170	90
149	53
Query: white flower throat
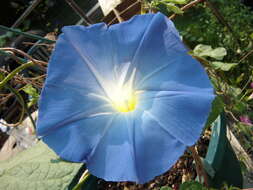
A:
122	94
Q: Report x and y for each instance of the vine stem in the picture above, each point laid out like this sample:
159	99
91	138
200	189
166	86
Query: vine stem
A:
199	166
20	52
22	103
82	180
246	56
33	36
14	72
24	107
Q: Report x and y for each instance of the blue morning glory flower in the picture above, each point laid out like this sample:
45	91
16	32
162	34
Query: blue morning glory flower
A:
126	99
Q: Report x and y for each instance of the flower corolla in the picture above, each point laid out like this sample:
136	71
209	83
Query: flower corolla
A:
125	99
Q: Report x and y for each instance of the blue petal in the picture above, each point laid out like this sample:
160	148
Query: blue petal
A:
181	113
134	148
161	58
155	149
61	106
127	36
177	88
67	109
94	45
67	89
113	157
67	68
75	140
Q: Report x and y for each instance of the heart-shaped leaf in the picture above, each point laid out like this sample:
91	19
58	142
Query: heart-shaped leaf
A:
207	51
37	168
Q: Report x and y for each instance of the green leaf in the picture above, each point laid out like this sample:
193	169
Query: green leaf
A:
207	51
223	66
202	50
166	188
181	2
251	35
218	53
37	168
217	108
239	107
192	185
30	90
240	78
172	7
233	91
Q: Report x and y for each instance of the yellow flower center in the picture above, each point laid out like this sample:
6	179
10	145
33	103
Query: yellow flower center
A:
120	91
123	99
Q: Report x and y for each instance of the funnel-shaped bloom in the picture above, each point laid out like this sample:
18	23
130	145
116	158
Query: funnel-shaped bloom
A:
126	99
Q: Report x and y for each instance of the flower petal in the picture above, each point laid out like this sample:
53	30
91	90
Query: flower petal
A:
181	113
57	110
68	69
155	149
134	148
77	139
127	37
162	58
68	88
113	158
94	46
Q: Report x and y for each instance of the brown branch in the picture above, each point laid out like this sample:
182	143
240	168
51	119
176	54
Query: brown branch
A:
38	44
216	12
35	61
117	14
199	166
245	56
124	11
187	6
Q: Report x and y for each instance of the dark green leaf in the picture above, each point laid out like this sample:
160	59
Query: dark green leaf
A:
240	107
240	78
235	92
90	184
192	185
217	108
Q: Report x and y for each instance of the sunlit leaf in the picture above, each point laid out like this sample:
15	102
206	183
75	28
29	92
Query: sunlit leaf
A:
37	168
207	51
34	95
240	78
172	7
176	1
223	66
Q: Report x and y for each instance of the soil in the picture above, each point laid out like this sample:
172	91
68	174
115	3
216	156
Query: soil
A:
183	170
